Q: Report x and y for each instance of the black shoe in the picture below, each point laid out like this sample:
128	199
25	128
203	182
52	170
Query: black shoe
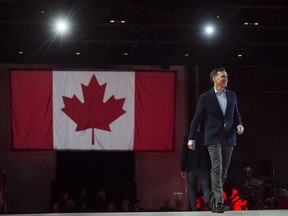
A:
220	208
211	202
209	205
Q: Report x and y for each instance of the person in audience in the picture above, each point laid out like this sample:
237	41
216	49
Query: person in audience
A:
111	206
82	200
100	202
64	198
70	205
126	205
136	206
281	199
55	207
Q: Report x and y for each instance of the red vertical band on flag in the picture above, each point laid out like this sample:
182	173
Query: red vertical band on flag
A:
154	111
31	93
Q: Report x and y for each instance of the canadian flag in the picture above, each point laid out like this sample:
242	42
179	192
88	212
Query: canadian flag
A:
88	110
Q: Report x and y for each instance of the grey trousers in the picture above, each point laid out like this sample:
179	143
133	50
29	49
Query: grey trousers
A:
220	155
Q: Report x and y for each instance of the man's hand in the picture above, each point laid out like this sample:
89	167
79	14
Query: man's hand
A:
240	129
183	174
191	144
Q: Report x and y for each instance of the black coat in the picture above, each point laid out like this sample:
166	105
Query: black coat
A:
194	159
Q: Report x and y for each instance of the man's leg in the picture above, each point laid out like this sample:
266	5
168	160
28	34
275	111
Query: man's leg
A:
191	178
215	152
205	182
226	158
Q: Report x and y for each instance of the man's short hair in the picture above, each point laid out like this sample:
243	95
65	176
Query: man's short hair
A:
214	73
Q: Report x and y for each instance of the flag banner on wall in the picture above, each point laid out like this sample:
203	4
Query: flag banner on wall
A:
86	110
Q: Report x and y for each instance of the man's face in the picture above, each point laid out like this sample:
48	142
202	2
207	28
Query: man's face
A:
221	79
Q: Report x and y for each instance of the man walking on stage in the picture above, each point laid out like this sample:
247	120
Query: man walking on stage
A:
219	110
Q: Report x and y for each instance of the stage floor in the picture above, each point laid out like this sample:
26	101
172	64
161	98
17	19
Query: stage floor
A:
174	213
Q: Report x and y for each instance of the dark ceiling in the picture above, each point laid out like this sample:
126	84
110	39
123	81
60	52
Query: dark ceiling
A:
159	32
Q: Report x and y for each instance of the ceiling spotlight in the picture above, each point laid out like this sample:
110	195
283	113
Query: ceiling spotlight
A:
209	30
61	26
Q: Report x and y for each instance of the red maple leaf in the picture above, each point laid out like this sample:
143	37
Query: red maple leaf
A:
93	113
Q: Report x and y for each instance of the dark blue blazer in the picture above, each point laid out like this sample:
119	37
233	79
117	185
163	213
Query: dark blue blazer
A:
208	109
